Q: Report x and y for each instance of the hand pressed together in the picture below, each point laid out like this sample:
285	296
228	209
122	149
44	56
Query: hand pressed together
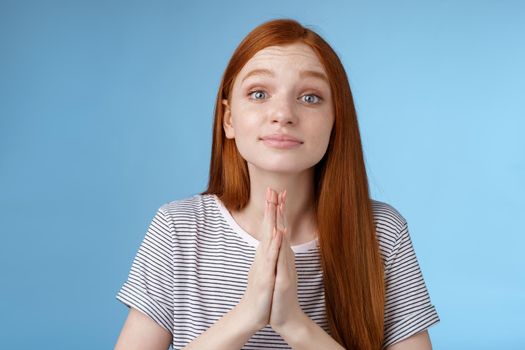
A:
285	304
271	294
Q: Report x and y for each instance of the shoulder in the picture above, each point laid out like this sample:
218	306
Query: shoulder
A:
389	224
195	207
386	216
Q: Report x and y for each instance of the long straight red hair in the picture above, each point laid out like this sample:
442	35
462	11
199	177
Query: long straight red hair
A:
352	265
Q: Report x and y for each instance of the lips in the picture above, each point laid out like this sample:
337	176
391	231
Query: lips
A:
281	141
281	137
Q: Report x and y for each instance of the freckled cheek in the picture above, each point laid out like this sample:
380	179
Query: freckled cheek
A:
244	109
251	112
247	125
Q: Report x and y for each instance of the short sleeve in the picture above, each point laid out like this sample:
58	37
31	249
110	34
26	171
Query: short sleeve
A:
408	308
149	285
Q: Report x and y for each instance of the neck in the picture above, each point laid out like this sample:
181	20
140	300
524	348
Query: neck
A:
299	209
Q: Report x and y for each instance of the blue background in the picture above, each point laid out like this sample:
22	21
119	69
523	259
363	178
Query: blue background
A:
106	114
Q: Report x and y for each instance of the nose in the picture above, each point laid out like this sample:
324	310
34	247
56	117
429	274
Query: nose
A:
284	111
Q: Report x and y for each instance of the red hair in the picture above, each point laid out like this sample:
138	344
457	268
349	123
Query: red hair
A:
352	265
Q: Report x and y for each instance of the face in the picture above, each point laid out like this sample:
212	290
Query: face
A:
281	90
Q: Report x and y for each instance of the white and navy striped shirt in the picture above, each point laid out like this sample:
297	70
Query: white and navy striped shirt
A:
192	268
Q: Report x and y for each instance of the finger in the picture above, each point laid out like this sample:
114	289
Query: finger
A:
284	207
284	211
275	247
281	267
283	227
280	215
265	236
269	217
288	254
286	262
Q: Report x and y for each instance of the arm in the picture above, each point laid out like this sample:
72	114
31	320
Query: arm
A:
419	341
408	309
150	315
141	332
306	334
231	331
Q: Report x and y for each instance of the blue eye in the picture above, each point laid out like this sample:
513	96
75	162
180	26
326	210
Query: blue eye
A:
309	99
258	92
312	99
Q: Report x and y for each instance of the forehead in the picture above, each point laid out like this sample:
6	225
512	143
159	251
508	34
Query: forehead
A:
296	54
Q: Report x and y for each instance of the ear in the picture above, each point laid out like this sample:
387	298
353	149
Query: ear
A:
227	120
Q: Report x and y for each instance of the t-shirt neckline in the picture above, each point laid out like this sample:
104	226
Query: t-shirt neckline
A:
299	248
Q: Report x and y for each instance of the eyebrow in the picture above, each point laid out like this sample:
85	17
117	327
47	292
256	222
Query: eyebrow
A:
302	74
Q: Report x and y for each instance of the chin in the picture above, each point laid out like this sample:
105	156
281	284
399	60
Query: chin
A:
277	168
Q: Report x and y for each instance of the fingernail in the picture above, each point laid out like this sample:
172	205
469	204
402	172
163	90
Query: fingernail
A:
268	193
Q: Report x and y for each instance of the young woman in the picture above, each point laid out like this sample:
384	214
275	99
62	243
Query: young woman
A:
285	249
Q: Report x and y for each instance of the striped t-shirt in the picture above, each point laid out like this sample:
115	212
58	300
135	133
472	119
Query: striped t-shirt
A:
192	268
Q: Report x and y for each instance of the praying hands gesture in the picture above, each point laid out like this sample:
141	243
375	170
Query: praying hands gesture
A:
271	294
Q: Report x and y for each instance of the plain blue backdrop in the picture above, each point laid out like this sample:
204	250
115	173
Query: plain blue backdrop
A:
106	114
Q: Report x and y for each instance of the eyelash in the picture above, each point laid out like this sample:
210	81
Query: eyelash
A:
314	103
